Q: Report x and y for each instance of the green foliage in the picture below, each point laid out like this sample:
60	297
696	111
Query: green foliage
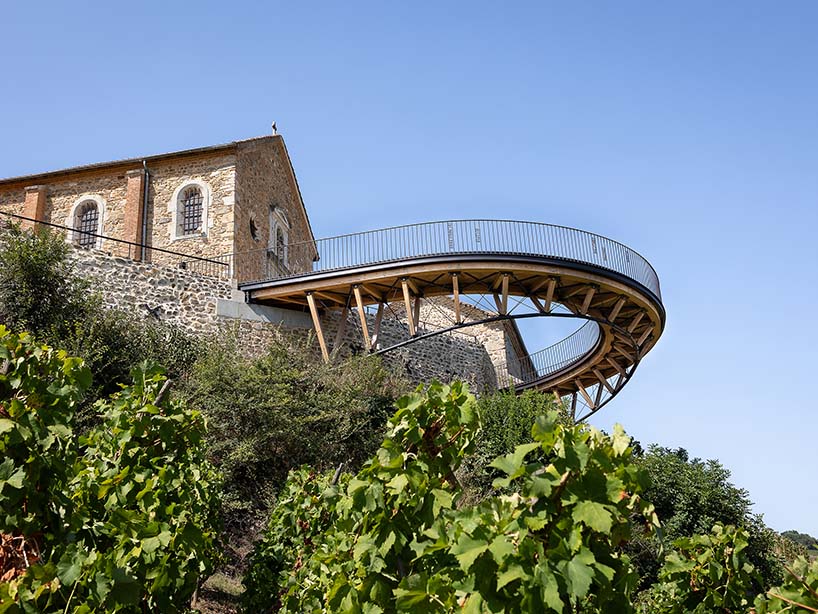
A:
122	520
40	292
393	537
691	496
506	420
286	408
809	542
704	574
797	595
38	289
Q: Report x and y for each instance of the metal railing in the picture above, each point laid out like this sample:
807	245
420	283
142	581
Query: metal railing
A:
457	237
552	359
218	266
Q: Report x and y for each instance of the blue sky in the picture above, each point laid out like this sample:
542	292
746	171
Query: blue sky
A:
687	132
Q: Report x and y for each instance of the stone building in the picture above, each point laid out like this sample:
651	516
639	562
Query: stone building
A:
211	203
176	232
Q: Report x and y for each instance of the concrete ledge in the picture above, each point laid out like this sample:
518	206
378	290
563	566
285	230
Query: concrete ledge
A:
239	310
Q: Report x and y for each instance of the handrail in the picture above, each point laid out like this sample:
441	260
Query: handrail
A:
477	236
213	267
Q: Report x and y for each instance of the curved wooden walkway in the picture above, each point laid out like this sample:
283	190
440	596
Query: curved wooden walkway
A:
527	270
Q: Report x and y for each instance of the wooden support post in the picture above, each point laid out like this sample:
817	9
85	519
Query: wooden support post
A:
498	303
497	281
362	315
537	304
644	336
505	293
417	312
557	397
598	399
635	322
588	298
585	394
316	322
617	308
342	328
378	319
407	302
549	294
573	407
412	286
602	380
616	365
456	295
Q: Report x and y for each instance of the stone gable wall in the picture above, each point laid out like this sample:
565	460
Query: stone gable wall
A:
264	180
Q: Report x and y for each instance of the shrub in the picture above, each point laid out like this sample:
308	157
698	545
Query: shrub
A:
123	520
283	409
797	595
393	538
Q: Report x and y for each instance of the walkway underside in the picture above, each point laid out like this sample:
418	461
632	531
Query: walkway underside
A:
586	370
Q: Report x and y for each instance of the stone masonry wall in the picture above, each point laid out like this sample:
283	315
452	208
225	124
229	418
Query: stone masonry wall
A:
167	176
264	180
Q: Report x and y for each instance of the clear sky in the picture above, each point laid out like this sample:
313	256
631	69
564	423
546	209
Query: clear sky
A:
688	132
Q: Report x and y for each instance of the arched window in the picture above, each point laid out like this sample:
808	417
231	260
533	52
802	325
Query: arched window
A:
189	207
192	211
277	242
86	219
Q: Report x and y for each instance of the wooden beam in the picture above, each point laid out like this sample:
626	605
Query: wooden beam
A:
456	293
584	392
407	302
498	303
537	304
598	400
540	284
588	298
505	293
602	380
623	352
362	315
316	322
617	308
378	296
377	332
616	365
342	328
549	294
644	336
417	312
412	286
635	322
497	281
573	407
329	297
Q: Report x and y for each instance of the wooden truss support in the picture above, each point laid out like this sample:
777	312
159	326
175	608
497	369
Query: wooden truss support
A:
549	294
617	308
644	336
589	296
538	304
603	380
456	295
574	407
378	296
635	322
362	315
417	312
616	366
412	286
598	400
624	353
342	329
505	293
407	302
377	332
584	393
316	322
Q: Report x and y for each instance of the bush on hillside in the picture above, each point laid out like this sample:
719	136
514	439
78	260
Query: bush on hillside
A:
40	292
395	537
270	414
124	519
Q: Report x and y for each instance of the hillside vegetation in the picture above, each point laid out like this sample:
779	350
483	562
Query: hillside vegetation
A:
328	488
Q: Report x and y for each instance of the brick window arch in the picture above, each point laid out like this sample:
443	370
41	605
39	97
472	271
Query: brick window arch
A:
189	208
86	222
